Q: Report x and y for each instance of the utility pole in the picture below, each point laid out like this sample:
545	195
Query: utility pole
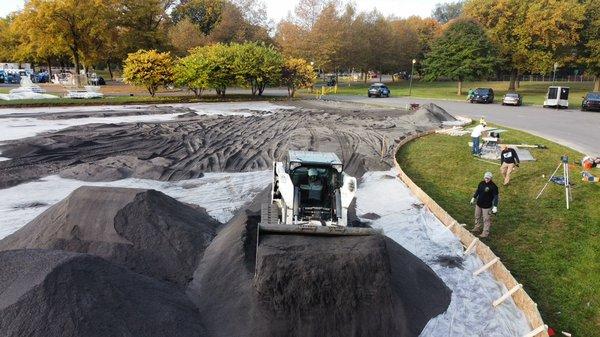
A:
412	71
555	67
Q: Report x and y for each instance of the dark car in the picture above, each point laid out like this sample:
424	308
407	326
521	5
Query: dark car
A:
379	90
482	95
331	81
591	101
512	98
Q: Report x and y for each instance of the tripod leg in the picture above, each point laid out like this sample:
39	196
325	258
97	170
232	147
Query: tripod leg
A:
552	175
566	181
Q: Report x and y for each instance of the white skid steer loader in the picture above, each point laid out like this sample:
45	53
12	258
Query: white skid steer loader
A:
310	195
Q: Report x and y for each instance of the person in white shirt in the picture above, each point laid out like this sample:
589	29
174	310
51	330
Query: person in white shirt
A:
477	131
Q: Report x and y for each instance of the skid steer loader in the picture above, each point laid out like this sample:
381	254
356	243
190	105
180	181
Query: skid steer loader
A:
310	195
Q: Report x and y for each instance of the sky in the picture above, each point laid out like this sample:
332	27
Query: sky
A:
278	9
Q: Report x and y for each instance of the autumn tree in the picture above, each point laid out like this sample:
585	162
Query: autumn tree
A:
530	35
71	23
296	74
308	11
150	69
427	30
444	12
324	39
185	35
589	51
463	52
205	14
234	27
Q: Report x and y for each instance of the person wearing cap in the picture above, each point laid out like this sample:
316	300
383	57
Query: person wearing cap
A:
486	200
315	186
508	161
475	134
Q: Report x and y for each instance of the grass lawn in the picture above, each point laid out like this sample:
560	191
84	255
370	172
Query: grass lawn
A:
119	100
533	92
554	252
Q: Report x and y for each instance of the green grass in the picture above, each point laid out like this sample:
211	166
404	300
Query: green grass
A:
554	252
533	92
4	90
124	100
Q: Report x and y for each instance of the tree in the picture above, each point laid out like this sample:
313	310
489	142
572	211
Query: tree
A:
220	67
307	12
589	53
184	36
295	74
462	53
257	64
203	13
530	35
233	27
150	69
192	71
427	30
445	12
324	39
76	24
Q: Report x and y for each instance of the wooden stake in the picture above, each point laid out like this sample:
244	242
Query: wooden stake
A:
486	266
471	246
507	295
537	330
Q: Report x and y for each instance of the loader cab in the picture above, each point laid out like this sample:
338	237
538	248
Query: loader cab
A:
317	178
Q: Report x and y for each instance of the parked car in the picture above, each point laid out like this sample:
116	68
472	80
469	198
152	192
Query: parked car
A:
482	95
331	81
591	101
379	90
512	98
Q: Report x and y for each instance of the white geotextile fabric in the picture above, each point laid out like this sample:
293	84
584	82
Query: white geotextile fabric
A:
22	127
221	194
219	108
25	95
404	219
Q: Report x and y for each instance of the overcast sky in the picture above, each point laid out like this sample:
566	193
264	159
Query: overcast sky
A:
278	9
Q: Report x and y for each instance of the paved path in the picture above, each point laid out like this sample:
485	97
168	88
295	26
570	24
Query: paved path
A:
574	128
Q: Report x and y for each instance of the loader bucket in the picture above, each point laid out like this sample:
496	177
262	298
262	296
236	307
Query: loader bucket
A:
306	229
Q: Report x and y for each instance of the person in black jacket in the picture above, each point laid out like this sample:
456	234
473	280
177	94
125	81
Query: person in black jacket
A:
486	197
508	160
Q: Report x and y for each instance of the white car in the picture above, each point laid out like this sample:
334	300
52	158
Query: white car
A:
512	98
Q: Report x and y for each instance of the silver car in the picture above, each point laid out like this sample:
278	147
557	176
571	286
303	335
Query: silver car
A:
512	98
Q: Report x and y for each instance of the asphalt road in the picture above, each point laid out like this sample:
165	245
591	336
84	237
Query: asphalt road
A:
574	128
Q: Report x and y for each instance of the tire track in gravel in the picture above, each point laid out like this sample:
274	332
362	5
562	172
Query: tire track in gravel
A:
364	140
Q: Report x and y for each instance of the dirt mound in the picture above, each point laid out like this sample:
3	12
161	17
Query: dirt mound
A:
313	286
362	137
143	230
431	113
55	293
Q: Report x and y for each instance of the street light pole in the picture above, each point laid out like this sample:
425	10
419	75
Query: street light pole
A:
555	67
411	76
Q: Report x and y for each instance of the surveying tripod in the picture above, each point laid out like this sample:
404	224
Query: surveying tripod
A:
564	161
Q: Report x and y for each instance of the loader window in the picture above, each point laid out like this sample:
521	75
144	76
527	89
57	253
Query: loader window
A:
552	93
564	93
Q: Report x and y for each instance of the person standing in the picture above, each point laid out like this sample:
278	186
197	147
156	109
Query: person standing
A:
475	134
486	204
509	159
